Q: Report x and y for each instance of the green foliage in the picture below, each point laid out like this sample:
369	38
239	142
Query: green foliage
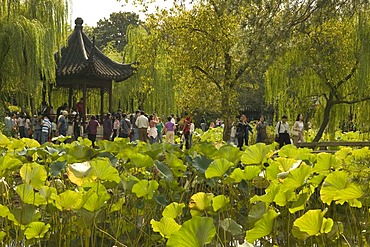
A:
208	195
195	232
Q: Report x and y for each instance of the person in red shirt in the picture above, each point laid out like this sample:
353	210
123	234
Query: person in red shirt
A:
80	107
92	130
186	131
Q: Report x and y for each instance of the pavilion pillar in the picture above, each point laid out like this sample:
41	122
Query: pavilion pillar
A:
101	104
84	93
70	95
110	96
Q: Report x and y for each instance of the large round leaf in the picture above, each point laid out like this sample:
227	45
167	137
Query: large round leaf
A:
166	226
338	187
263	227
201	201
104	170
218	168
312	223
29	196
34	174
8	163
173	210
145	188
68	200
257	154
193	233
229	153
36	230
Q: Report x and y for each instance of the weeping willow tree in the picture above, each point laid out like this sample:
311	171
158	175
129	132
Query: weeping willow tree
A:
151	88
325	70
30	32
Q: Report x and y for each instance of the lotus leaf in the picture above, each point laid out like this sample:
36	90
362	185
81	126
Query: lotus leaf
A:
219	202
297	177
164	171
257	154
173	210
312	223
36	230
249	173
166	226
201	163
291	151
4	141
118	205
229	153
8	163
262	227
231	226
81	152
2	235
68	200
218	168
27	194
325	162
201	201
80	173
94	201
104	170
145	188
177	165
195	232
141	160
34	174
338	187
56	167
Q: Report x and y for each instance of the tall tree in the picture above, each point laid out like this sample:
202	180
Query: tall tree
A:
327	64
113	30
30	32
220	45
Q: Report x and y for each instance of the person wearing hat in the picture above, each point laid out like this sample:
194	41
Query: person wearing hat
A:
282	131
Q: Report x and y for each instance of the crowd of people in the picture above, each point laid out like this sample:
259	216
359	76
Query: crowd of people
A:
143	127
140	126
241	129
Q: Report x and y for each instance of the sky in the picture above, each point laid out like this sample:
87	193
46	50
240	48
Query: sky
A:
91	11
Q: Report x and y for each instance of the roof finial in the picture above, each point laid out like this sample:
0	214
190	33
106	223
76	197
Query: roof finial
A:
79	22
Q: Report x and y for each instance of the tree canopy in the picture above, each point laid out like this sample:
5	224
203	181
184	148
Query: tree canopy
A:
30	33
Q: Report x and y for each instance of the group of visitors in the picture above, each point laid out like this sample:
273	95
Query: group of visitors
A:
240	131
143	127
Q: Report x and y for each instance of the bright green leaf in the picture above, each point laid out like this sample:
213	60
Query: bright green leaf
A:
257	154
263	227
34	174
166	226
218	168
219	202
145	188
36	230
173	210
195	232
104	170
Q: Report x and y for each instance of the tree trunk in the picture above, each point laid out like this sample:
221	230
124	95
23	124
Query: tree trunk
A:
227	112
325	121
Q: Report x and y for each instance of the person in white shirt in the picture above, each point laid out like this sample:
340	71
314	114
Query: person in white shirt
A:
142	124
298	130
192	130
282	131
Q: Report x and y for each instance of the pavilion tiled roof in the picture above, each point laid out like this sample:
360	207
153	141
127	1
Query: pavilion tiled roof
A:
81	58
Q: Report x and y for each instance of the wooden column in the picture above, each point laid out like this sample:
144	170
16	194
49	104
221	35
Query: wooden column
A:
110	89
101	104
70	95
84	93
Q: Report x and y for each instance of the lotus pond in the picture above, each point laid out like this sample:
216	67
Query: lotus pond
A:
125	194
